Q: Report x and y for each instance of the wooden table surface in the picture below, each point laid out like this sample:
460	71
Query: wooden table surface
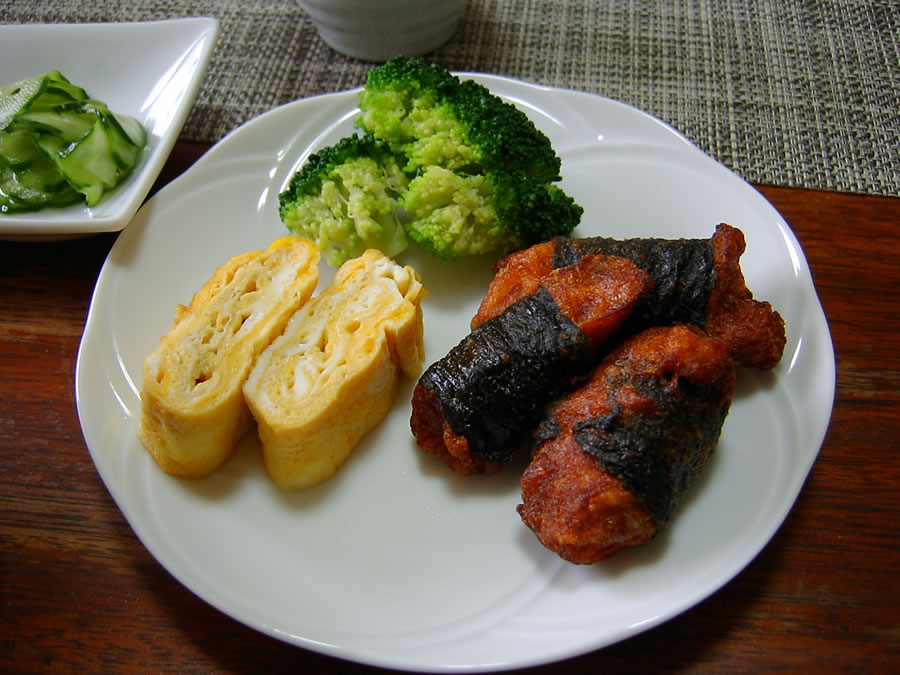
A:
79	593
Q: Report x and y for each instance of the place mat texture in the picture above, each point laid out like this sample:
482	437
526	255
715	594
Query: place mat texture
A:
798	93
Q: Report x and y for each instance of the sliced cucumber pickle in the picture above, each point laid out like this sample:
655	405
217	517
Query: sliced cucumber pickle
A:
58	146
16	97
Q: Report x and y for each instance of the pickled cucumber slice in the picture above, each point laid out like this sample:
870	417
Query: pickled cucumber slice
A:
58	146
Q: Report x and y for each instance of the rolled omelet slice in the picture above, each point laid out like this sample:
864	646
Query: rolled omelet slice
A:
334	373
192	406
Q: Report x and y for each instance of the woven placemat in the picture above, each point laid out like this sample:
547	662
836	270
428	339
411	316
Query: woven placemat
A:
799	93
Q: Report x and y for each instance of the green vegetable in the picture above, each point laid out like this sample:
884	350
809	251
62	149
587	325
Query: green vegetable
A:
344	198
434	118
456	167
58	146
452	214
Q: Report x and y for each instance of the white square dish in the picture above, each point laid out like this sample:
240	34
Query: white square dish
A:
149	70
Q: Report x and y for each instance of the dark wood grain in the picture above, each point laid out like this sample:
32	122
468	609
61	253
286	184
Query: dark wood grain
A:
79	593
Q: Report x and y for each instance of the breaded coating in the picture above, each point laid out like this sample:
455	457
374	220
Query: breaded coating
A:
697	281
614	458
475	407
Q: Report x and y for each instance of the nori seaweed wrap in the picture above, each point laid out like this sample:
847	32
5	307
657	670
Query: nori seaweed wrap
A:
476	406
494	383
695	281
682	270
615	457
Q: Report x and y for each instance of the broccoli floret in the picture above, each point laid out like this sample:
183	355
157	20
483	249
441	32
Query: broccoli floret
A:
433	118
483	172
452	214
344	199
454	166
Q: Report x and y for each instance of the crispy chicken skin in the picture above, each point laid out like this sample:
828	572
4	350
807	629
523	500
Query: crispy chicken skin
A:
515	276
476	406
577	509
753	329
614	458
434	435
696	281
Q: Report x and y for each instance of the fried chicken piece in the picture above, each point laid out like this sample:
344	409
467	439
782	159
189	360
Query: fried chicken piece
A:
477	405
751	327
515	276
696	281
579	510
614	458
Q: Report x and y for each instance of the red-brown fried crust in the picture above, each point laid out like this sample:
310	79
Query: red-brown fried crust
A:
516	276
578	510
754	330
574	506
597	295
434	435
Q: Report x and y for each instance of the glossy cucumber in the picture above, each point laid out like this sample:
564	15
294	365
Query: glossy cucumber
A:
58	146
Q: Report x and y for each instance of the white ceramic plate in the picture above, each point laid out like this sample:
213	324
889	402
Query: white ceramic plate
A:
149	70
395	561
